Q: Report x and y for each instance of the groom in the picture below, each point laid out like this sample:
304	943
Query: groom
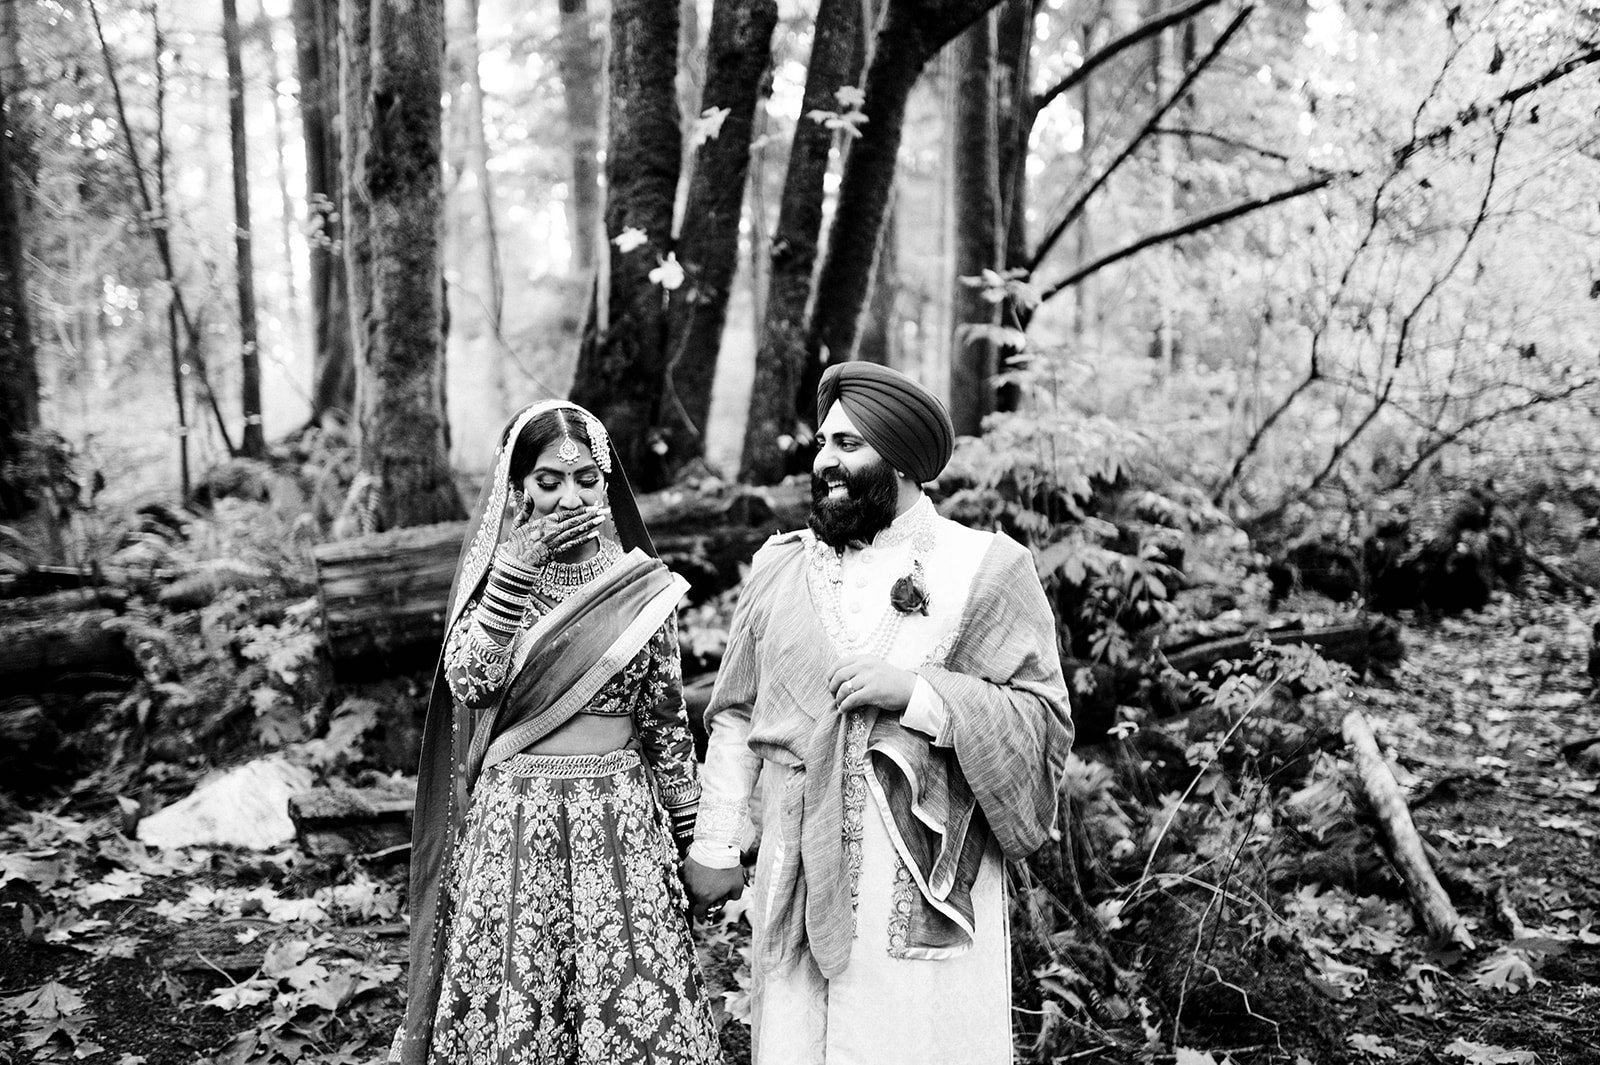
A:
892	683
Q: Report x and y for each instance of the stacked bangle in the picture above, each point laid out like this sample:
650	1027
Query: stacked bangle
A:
505	597
681	819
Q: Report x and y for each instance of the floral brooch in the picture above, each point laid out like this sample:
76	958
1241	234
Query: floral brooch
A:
909	595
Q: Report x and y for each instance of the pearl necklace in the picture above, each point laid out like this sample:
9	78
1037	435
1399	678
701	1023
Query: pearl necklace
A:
557	580
826	579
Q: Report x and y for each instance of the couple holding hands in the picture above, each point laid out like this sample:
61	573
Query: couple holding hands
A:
889	724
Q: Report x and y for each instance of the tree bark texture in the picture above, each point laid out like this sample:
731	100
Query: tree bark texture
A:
333	370
253	441
622	360
580	86
1014	112
355	95
404	437
975	187
739	53
780	360
878	332
910	33
19	370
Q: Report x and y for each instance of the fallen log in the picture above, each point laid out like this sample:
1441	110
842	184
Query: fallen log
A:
337	820
1359	644
1406	849
41	580
58	604
384	596
70	650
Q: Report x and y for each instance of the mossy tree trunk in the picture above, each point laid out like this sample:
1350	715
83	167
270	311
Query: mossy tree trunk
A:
622	357
404	436
909	33
333	371
975	188
19	370
739	54
772	425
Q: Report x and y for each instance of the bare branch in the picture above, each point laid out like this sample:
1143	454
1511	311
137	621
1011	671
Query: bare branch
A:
1082	202
1444	440
1190	133
156	224
1189	228
1115	48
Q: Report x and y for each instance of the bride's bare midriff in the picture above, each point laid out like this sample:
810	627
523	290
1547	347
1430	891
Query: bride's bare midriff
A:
587	734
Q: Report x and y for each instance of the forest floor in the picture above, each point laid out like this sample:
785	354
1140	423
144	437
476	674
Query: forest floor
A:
113	954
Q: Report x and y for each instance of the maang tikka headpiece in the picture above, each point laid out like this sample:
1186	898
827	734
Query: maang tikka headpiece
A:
599	443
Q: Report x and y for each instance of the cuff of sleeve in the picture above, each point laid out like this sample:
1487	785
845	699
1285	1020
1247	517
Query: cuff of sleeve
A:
714	855
926	712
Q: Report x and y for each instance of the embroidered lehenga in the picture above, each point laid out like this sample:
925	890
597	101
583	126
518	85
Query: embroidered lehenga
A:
548	920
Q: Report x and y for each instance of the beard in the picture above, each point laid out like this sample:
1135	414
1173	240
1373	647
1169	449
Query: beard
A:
873	499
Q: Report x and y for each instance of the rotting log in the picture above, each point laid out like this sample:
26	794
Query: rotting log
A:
384	596
1406	849
1359	644
59	604
337	820
81	648
40	580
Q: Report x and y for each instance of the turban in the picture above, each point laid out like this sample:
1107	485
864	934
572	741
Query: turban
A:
902	421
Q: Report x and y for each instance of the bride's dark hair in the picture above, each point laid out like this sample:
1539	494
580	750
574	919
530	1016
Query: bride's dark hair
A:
541	431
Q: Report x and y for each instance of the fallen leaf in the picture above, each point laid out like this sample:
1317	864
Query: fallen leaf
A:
241	996
49	1002
1186	1056
1489	1054
1372	1046
1506	970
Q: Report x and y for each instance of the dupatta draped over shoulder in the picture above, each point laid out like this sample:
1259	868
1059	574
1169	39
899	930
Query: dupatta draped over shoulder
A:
568	656
994	777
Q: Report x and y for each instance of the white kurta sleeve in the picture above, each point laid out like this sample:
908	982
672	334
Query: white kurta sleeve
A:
927	713
727	780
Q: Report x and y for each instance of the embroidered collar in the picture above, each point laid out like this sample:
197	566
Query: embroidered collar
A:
917	518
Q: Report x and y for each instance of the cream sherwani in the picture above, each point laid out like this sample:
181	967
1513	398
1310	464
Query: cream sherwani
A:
950	1007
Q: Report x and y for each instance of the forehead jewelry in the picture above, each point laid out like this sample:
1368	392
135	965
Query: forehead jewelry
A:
600	443
569	451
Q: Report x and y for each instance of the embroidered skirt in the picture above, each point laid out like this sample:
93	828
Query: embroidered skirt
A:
568	942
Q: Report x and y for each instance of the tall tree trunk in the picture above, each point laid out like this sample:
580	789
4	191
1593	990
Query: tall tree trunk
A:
333	371
739	52
1015	113
622	360
910	33
975	190
267	34
878	332
19	369
405	444
772	426
355	109
471	237
253	442
580	86
174	343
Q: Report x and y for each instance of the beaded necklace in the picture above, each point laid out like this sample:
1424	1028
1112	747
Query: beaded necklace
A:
826	579
557	580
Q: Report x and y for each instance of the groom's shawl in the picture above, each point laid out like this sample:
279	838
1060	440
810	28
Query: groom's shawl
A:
996	775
